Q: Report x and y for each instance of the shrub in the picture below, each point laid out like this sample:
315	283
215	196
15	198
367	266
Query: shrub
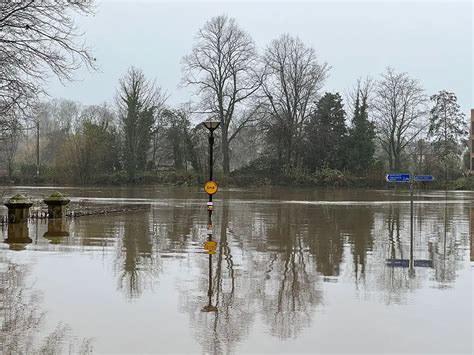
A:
330	177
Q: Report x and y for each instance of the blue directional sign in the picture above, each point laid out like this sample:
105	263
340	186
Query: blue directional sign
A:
397	177
424	178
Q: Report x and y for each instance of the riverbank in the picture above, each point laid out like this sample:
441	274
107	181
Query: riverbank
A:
326	178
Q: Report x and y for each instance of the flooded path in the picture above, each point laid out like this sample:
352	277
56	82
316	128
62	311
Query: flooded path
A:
294	270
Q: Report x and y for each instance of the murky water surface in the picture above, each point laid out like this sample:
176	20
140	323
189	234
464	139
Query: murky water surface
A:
290	271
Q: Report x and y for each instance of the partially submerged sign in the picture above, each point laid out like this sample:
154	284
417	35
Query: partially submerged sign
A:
397	177
210	187
407	178
424	178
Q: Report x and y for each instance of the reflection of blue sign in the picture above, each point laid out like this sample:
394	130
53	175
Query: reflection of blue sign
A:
406	263
424	177
397	177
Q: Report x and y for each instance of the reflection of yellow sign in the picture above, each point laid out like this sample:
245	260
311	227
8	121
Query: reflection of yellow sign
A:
210	246
210	187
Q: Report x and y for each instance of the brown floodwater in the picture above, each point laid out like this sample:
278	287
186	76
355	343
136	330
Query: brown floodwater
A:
287	270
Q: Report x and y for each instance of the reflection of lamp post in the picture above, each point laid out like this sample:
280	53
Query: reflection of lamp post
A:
210	248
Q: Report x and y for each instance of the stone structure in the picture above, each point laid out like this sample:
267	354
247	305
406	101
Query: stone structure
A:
18	208
56	205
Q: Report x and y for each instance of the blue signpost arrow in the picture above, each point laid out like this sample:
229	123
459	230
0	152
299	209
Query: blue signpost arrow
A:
424	178
397	177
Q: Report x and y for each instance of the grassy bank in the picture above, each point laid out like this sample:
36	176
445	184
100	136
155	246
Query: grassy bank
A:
257	174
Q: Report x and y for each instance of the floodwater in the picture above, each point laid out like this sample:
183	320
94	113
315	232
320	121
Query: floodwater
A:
291	270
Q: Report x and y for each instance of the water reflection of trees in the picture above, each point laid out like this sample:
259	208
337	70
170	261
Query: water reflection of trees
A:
21	318
174	226
392	237
359	229
439	233
450	237
137	261
277	282
220	331
19	313
290	285
147	237
272	262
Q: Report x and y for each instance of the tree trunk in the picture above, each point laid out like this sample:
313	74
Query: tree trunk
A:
225	151
396	163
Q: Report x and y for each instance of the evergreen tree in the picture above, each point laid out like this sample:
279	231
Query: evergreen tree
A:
138	100
360	143
326	134
447	128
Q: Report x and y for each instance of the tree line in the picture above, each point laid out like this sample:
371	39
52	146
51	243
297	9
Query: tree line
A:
278	123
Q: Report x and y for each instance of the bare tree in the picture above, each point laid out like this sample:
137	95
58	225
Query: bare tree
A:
9	139
38	38
362	91
91	150
222	66
399	111
292	79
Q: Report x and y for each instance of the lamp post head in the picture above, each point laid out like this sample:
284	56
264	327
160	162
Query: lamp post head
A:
211	124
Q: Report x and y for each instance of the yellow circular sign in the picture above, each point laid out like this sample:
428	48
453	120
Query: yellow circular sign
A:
210	187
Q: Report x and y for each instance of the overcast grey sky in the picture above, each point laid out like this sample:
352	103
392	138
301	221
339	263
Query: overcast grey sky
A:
432	41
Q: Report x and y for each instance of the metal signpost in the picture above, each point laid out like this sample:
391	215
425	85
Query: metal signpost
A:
408	178
211	186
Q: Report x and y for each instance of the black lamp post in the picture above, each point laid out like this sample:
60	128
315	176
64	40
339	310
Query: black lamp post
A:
211	125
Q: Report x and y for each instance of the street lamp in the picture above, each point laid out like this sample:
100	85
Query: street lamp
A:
211	125
210	187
